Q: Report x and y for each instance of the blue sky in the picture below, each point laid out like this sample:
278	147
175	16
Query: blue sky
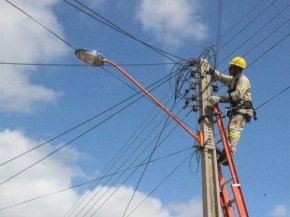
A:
38	103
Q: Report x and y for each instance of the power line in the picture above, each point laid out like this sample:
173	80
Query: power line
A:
76	138
269	49
110	24
120	165
158	83
161	183
288	87
106	200
60	38
258	30
82	65
218	30
242	18
149	121
146	165
71	141
248	24
267	37
92	181
120	176
263	54
273	97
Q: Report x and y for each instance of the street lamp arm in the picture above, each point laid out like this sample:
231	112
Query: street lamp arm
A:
93	58
197	137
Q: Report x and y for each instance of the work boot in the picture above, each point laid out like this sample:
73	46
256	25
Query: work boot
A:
222	157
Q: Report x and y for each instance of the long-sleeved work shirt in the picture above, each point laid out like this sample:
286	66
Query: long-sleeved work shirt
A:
239	85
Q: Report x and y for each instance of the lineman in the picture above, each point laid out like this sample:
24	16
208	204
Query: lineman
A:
239	96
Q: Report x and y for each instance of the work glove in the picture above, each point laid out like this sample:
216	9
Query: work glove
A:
214	100
211	71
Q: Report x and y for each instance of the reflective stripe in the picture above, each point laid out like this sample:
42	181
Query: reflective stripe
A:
248	96
234	135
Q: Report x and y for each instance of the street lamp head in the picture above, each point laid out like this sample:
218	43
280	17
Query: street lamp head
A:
89	57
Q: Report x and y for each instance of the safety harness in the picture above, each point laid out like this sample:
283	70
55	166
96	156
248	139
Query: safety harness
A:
236	106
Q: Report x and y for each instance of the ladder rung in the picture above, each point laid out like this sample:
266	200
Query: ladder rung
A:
223	161
218	142
219	151
228	181
230	203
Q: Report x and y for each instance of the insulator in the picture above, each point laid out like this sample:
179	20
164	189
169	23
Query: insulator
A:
215	88
195	108
193	98
186	92
192	74
193	86
192	62
186	104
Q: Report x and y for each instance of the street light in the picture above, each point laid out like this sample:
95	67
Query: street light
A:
93	58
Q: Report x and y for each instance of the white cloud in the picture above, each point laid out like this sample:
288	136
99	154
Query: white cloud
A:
191	209
139	207
172	21
56	173
48	176
119	201
280	211
23	40
18	94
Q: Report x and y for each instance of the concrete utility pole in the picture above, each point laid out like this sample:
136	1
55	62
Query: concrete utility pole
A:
210	187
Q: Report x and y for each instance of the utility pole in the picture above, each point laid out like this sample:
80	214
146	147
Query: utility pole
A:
210	186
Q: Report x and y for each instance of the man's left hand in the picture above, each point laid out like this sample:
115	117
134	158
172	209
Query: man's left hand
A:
214	100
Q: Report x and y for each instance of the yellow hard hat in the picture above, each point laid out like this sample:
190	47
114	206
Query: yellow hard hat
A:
239	61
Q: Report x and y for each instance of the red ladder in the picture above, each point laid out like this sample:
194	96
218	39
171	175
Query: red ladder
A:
226	202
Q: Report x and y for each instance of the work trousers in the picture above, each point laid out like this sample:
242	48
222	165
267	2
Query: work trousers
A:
235	128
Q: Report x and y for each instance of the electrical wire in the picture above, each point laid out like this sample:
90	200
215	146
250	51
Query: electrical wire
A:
268	50
147	163
123	163
146	166
149	121
259	30
218	31
60	38
129	155
68	143
248	24
242	18
106	200
61	147
159	185
260	57
91	181
119	154
82	65
110	24
93	214
133	162
273	97
158	83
